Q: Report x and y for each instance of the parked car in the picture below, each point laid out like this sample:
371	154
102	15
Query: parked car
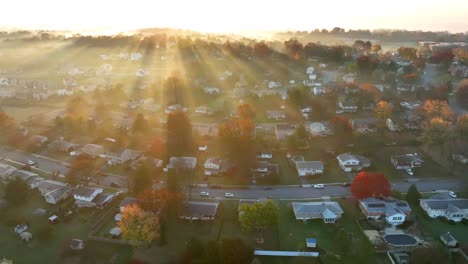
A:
228	195
205	194
453	194
410	172
319	186
346	184
31	163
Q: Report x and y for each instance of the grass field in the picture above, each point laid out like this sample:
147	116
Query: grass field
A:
52	248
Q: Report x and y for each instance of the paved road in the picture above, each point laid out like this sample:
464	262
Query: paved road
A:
51	165
277	192
332	190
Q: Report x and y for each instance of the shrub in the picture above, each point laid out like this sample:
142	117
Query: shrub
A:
406	224
464	221
451	222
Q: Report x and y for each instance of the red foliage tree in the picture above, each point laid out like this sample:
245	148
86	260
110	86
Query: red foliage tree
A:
367	184
157	148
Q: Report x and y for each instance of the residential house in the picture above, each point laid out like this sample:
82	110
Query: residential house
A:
127	201
320	128
456	157
92	150
394	211
407	161
62	146
211	90
204	110
306	168
448	240
276	114
454	209
54	191
260	168
329	212
34	181
175	108
38	140
392	126
347	106
412	105
264	155
84	196
23	175
405	88
123	157
199	211
156	163
205	129
283	131
310	70
6	171
177	163
349	162
458	70
273	84
217	166
363	125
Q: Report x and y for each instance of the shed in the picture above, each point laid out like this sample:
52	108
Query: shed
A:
26	236
115	232
311	242
76	244
448	240
53	219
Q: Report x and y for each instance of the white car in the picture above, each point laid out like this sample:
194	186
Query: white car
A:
204	194
454	195
410	172
228	195
31	163
319	186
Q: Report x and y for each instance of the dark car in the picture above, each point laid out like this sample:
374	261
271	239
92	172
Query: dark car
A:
346	184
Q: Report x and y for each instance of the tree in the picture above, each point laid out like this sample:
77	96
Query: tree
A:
138	225
179	134
376	48
259	216
159	200
81	167
438	109
7	123
77	108
261	49
157	148
16	191
234	251
413	195
246	111
461	93
367	184
143	179
461	131
429	256
140	126
436	131
407	53
342	128
343	242
301	132
366	64
382	111
174	89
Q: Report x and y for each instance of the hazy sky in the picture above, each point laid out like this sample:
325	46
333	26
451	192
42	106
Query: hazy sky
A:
236	15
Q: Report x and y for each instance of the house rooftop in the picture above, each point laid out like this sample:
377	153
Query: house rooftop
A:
84	191
437	204
316	208
315	165
128	201
199	209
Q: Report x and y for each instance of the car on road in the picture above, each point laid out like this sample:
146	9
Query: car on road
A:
228	195
409	171
204	194
319	186
346	184
453	194
31	162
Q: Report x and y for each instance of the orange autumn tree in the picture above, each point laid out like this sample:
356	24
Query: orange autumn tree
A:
138	225
438	109
367	184
159	200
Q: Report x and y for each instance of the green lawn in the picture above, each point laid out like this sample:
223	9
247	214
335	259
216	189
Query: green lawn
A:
293	233
436	227
52	248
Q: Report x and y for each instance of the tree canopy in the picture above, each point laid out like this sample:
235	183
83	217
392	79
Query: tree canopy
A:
138	225
259	216
16	191
367	184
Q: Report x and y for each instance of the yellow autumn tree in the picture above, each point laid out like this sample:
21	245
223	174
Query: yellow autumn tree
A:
382	111
138	225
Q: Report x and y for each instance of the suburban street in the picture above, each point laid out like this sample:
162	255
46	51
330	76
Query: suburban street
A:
331	190
274	192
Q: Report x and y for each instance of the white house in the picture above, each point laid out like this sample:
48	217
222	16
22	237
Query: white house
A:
310	70
273	84
407	161
177	163
394	211
305	168
84	196
391	125
329	212
54	191
455	209
349	162
320	129
211	90
264	155
276	114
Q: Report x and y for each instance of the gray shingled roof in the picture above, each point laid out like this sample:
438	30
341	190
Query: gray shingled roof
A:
444	203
